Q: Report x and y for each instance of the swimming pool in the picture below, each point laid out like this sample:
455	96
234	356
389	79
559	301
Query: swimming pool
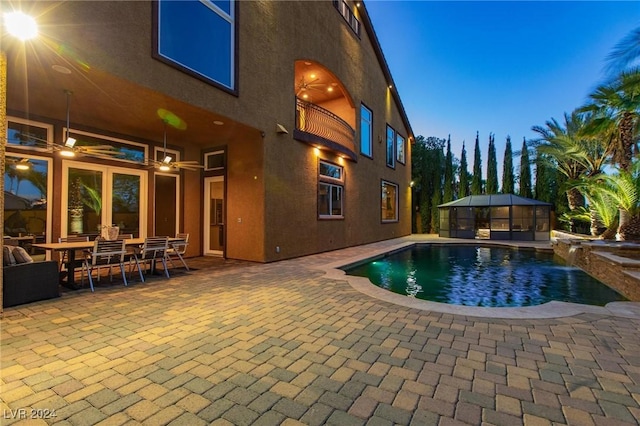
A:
484	276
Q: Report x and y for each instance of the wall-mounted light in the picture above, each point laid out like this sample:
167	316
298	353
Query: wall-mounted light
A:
391	86
411	184
281	129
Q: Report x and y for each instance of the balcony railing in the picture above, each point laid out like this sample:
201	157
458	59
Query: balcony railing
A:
348	15
316	125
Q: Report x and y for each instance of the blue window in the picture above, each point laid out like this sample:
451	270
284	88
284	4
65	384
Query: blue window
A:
199	37
366	144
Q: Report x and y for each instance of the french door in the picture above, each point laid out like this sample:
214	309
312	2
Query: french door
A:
166	211
94	196
214	216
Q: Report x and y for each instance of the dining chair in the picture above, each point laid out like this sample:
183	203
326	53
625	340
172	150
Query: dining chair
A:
152	250
106	253
177	248
79	254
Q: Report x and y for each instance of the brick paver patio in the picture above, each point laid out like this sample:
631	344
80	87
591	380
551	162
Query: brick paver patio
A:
284	343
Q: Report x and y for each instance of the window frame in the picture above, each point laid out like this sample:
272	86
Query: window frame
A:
370	126
331	182
108	140
396	219
49	197
390	144
210	154
231	18
31	123
401	155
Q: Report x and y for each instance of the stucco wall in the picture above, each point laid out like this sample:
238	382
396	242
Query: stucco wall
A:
272	179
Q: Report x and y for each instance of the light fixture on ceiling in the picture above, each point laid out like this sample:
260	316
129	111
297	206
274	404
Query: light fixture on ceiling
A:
61	69
20	25
218	123
69	142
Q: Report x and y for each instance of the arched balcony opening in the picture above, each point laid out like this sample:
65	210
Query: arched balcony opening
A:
325	115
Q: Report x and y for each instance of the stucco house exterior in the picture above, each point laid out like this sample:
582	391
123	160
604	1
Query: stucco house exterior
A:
289	106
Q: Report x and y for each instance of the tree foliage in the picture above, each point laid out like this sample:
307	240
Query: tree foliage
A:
427	162
508	180
449	179
463	188
492	167
525	172
476	182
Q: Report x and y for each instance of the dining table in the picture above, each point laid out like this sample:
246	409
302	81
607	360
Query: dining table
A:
71	248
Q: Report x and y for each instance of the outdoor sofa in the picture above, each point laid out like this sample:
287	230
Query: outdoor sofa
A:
26	281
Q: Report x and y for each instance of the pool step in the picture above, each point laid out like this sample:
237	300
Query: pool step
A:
624	262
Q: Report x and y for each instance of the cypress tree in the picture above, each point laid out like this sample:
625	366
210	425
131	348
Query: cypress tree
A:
447	193
543	185
476	181
492	167
525	172
508	186
463	191
435	216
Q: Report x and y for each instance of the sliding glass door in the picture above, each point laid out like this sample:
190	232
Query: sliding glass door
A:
96	196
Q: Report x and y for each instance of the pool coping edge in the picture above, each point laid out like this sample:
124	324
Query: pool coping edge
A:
554	309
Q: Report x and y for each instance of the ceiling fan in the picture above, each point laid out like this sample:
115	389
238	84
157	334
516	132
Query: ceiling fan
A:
69	148
304	85
167	163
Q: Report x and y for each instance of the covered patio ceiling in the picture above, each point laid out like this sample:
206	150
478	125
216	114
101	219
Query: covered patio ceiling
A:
39	74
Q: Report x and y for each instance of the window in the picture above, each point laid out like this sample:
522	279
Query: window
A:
127	151
348	15
330	191
366	134
28	185
199	38
400	149
214	161
389	202
28	134
391	139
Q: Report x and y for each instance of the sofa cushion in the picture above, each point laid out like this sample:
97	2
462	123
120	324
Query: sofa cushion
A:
21	255
7	256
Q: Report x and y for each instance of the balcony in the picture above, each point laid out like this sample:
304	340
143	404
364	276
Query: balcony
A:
321	128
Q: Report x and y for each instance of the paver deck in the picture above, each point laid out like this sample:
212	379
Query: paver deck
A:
288	343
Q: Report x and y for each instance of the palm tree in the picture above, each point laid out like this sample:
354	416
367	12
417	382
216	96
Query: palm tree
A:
624	189
572	155
625	53
616	110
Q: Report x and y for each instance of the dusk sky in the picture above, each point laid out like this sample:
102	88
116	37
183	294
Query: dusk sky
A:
499	66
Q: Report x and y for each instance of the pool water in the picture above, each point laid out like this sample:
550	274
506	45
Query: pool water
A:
484	276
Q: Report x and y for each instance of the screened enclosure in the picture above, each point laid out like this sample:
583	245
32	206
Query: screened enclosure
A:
496	217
